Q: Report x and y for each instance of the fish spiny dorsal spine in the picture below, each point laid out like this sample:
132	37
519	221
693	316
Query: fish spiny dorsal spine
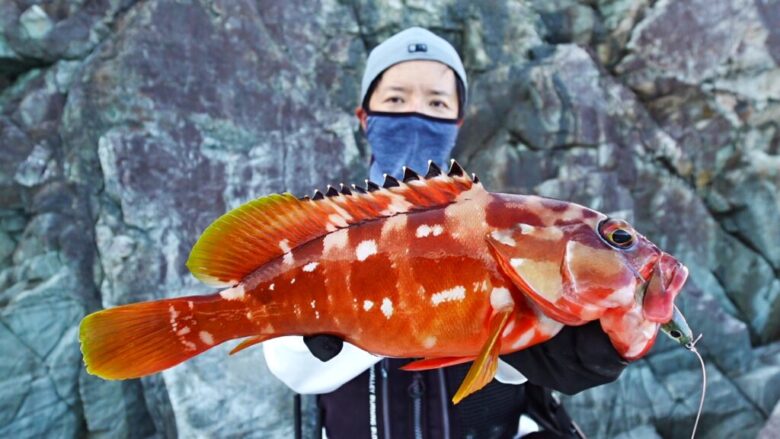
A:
269	227
410	175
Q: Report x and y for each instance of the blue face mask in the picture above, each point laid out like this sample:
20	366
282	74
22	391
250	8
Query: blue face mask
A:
408	139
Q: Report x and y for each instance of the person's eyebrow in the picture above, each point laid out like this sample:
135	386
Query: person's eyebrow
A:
436	92
396	88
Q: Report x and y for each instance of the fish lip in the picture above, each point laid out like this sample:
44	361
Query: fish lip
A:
664	285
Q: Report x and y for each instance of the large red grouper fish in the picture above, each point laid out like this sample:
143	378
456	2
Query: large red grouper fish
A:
433	267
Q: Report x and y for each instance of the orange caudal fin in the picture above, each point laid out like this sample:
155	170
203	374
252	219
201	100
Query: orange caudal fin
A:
140	339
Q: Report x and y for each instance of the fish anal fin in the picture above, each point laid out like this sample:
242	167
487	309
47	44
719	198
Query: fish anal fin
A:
435	363
251	341
484	368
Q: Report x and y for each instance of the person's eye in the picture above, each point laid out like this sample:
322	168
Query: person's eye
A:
394	100
439	104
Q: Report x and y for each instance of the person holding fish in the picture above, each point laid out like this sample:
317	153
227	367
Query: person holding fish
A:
413	296
414	92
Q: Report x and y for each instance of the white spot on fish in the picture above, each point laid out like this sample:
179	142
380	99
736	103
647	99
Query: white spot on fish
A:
504	237
623	296
429	342
284	245
572	213
288	258
423	231
550	233
509	327
547	325
206	337
525	229
337	220
183	331
367	305
393	223
234	293
174	315
365	249
387	307
271	287
190	304
398	204
468	210
501	298
335	240
292	281
524	339
313	304
317	314
249	315
190	346
310	266
455	293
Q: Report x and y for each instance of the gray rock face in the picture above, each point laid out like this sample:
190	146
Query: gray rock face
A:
127	128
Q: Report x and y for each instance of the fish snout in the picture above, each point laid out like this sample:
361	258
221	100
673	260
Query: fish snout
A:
668	278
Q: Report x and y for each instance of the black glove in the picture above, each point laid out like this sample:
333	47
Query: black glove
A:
578	358
323	346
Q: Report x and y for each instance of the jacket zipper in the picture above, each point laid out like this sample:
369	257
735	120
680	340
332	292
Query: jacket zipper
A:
445	412
416	390
385	401
372	403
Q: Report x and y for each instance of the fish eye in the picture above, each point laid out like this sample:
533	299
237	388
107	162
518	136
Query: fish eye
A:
617	234
621	237
675	333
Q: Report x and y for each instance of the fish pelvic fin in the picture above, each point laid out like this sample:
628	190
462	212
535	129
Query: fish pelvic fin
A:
258	231
485	366
140	339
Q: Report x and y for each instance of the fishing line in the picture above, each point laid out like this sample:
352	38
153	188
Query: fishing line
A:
692	347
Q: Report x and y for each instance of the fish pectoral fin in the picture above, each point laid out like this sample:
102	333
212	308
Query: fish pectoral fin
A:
435	363
484	368
251	341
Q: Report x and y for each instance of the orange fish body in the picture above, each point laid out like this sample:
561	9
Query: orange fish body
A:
432	267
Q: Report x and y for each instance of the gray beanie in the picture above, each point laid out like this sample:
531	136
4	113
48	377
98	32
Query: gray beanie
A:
414	43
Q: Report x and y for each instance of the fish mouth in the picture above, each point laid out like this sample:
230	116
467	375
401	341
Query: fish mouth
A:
669	276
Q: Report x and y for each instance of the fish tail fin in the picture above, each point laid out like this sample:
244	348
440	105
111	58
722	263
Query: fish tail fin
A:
140	339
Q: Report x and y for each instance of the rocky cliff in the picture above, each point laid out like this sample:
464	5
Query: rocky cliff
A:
126	128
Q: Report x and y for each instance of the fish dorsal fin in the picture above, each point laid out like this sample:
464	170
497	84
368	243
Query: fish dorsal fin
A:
243	239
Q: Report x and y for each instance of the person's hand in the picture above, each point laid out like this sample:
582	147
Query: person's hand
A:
578	358
323	346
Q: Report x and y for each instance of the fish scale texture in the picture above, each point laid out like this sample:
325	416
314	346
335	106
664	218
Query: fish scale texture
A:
128	127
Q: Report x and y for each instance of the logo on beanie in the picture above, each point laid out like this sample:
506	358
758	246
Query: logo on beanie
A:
418	47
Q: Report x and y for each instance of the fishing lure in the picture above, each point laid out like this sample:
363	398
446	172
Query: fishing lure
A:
432	267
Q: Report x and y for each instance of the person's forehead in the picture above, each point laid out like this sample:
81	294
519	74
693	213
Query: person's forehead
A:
421	72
